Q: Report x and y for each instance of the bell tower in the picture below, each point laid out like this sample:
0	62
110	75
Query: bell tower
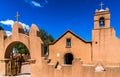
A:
102	34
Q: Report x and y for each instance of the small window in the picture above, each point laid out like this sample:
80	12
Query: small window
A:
101	21
68	42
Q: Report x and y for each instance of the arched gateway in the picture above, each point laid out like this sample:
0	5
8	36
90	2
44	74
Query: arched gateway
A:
32	42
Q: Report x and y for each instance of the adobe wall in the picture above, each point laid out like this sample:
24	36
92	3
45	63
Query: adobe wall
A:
79	69
79	49
106	46
2	64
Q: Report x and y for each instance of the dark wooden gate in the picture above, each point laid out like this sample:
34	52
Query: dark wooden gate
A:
13	67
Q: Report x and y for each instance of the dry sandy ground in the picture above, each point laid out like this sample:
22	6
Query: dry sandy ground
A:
17	76
25	72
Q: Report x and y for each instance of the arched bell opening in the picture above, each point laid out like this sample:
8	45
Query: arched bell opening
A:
102	21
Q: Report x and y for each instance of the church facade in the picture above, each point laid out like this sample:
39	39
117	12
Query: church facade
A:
69	55
100	57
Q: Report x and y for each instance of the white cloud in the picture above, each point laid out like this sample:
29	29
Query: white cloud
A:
7	22
36	4
25	26
33	3
11	22
8	33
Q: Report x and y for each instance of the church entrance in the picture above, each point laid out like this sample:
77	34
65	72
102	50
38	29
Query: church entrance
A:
16	56
68	58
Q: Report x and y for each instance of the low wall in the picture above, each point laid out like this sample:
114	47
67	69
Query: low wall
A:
78	69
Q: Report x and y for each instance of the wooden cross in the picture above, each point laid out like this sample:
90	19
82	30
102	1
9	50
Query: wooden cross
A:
17	16
101	5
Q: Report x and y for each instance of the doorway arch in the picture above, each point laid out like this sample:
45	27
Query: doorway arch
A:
68	58
10	47
16	60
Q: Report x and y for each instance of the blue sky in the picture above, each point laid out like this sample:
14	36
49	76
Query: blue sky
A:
57	16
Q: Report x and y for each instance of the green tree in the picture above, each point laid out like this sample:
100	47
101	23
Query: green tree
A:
46	38
21	48
1	28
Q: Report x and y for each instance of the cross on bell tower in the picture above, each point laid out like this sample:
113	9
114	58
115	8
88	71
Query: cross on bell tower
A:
17	16
101	6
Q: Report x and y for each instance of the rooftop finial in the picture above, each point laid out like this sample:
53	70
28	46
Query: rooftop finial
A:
101	6
17	16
